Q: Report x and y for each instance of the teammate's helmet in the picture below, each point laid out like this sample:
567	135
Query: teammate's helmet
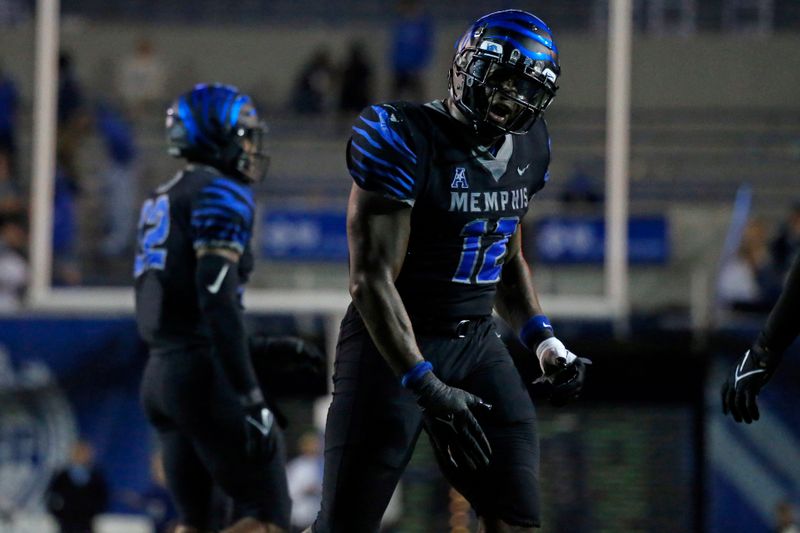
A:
217	125
504	72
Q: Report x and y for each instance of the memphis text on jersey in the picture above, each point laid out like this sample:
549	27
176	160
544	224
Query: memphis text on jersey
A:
488	201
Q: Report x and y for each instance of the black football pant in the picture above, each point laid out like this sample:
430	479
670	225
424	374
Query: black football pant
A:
373	424
200	427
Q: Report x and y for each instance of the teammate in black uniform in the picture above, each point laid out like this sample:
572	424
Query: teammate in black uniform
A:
756	366
434	244
193	257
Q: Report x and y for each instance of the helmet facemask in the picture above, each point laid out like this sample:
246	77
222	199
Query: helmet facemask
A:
499	97
251	160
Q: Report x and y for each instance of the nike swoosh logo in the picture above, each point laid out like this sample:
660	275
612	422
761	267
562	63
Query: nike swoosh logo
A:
264	429
739	376
521	170
214	287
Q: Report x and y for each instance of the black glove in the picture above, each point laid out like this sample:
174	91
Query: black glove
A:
744	382
285	355
259	431
275	357
449	418
563	373
566	384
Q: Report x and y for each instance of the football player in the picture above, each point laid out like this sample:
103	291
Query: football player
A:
193	256
754	369
433	231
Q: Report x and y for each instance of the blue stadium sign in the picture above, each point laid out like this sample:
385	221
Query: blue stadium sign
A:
298	235
581	240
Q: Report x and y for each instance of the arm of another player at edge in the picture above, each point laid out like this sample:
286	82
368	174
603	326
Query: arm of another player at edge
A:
377	234
516	299
782	325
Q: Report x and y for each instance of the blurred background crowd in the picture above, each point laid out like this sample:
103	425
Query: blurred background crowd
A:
715	217
313	65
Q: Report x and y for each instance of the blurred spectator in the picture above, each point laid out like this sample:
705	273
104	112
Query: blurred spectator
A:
313	87
70	94
304	475
412	48
749	282
13	265
582	187
73	121
10	198
142	80
9	107
155	501
65	269
78	492
119	179
72	126
784	519
356	85
787	243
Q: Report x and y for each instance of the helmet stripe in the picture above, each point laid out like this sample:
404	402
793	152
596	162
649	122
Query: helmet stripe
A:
515	15
207	115
237	108
524	31
203	107
538	56
189	117
186	117
226	107
199	121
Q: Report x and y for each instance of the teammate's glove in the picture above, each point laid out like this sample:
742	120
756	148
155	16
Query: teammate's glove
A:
448	411
259	431
744	382
286	355
278	356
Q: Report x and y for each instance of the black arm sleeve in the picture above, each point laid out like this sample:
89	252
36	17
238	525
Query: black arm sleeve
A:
783	323
217	286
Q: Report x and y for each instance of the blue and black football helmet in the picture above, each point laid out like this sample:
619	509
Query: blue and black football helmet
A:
217	125
504	72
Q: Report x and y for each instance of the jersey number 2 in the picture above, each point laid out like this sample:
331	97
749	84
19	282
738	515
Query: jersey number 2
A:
153	232
479	264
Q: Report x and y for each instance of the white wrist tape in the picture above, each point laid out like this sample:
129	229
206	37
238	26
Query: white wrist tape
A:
551	350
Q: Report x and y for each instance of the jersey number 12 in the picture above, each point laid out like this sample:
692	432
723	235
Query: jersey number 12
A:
479	264
153	232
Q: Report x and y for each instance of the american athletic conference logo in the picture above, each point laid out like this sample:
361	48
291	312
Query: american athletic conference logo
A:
459	179
37	429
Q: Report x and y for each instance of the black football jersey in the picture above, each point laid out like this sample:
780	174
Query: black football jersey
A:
466	201
198	208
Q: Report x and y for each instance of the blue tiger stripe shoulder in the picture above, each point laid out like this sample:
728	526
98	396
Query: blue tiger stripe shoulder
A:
381	155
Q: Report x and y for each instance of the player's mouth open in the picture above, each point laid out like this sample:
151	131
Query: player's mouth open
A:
500	112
